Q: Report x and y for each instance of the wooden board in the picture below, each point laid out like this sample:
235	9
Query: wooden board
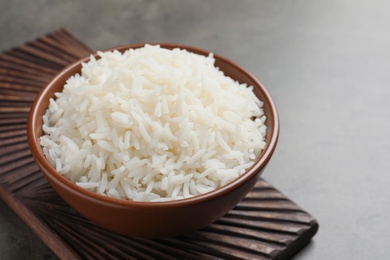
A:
265	225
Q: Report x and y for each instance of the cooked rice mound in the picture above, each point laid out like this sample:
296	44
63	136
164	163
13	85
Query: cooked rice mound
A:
153	124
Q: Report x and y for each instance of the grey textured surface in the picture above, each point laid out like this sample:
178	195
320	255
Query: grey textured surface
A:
326	64
17	241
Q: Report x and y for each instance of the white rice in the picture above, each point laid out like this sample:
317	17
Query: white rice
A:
153	124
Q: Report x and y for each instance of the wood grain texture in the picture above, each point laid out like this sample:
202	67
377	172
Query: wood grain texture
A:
265	225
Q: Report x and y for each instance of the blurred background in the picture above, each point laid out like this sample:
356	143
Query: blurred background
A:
326	65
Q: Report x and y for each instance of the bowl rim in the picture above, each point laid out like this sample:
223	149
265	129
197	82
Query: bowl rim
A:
259	164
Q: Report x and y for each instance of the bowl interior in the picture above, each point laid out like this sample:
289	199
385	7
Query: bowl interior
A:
228	67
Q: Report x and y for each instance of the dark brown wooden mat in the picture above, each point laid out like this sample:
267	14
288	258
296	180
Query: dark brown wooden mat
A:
265	225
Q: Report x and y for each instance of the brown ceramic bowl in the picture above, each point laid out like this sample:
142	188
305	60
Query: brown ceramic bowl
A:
153	219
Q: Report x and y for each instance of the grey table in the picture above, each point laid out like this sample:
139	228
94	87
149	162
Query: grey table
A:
325	63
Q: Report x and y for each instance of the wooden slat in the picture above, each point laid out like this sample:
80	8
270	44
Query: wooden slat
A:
51	239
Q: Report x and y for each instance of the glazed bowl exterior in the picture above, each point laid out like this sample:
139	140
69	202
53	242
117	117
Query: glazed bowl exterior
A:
153	219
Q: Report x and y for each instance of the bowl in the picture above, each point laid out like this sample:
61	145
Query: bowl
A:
153	219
